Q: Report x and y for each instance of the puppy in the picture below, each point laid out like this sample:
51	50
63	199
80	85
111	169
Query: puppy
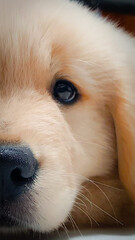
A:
67	118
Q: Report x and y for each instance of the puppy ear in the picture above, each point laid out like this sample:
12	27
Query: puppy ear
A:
124	119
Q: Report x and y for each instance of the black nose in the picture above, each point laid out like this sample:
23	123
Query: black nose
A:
17	170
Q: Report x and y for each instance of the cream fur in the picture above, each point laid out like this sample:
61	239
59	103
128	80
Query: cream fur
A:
41	41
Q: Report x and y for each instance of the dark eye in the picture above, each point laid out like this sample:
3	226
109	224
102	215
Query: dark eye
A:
65	92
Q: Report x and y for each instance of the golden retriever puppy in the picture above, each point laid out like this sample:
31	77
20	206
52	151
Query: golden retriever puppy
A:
67	117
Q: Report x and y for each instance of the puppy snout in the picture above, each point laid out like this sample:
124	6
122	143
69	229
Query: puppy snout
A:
18	168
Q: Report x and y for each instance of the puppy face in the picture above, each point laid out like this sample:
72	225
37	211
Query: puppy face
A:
43	44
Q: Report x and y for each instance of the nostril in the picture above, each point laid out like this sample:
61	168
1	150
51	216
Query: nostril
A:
18	179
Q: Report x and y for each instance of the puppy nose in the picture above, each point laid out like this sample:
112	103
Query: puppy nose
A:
18	169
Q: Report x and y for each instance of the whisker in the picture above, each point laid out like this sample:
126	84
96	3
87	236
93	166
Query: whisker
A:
71	220
81	196
89	217
115	188
66	230
87	62
77	227
58	233
85	179
91	203
106	198
84	213
83	204
107	214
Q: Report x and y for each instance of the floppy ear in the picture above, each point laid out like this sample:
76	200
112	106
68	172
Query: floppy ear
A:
123	113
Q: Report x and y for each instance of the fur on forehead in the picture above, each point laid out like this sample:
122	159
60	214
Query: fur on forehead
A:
36	39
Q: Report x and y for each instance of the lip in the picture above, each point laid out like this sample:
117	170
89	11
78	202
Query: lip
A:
13	215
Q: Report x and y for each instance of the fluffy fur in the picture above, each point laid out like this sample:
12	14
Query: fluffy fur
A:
78	147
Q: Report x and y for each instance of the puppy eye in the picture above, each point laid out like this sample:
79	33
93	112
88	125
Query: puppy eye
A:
65	92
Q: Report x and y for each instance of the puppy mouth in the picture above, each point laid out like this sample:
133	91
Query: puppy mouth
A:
14	215
10	223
